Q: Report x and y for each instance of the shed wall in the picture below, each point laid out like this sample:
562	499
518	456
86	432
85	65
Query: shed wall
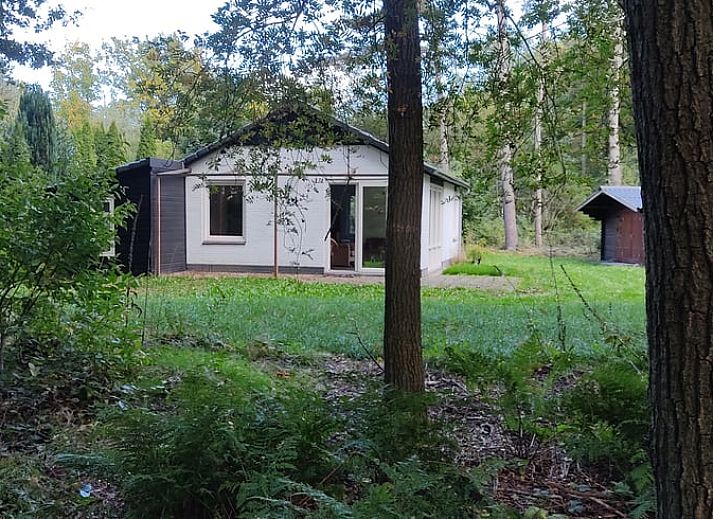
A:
623	237
172	226
133	247
630	247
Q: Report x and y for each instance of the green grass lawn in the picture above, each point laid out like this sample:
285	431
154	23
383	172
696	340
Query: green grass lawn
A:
303	318
225	355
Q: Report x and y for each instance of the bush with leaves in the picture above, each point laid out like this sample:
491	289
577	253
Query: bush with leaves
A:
65	336
51	241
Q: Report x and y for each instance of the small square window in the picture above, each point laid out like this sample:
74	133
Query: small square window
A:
226	210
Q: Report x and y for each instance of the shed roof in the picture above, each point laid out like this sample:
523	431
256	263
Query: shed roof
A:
606	197
341	131
153	163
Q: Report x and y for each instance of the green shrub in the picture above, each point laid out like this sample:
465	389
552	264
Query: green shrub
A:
416	489
395	429
51	242
221	450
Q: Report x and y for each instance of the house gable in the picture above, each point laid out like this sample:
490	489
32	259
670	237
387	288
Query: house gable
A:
305	128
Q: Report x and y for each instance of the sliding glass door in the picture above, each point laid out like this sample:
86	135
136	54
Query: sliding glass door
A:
373	227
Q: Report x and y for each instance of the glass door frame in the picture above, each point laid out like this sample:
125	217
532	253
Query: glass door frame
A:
379	271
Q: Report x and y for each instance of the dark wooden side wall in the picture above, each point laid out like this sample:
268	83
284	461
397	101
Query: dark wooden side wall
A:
133	247
173	223
609	236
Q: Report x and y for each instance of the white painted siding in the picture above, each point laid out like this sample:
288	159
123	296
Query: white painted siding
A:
308	247
452	213
435	256
425	200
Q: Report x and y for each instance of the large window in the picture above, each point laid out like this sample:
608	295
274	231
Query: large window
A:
225	211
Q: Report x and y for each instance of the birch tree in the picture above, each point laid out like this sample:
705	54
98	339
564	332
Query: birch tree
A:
505	153
614	149
538	138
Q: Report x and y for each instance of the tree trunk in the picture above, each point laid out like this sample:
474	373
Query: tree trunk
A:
444	161
617	62
403	362
504	157
671	44
538	139
583	141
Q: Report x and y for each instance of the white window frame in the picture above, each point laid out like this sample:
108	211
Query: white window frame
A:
435	218
359	245
112	250
217	239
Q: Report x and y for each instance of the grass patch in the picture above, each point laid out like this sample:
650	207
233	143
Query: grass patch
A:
474	269
544	275
302	318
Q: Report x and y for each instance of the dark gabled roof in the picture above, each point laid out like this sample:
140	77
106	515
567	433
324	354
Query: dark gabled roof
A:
607	196
155	164
340	132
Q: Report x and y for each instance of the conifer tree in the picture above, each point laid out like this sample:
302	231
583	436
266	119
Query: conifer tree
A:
38	126
85	155
16	150
115	154
147	140
100	144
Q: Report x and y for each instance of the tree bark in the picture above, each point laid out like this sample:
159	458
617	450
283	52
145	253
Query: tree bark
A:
505	153
403	361
614	166
671	46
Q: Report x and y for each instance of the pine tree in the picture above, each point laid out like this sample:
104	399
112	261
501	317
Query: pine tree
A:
100	145
38	125
115	154
673	91
147	140
85	155
15	149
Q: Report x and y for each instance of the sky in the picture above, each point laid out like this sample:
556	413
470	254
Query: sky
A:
104	19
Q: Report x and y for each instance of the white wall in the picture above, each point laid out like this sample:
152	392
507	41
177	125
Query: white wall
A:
434	258
308	247
452	223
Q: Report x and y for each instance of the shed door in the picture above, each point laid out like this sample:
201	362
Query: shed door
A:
609	237
631	238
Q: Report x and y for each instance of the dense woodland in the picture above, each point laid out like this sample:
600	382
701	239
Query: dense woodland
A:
534	110
149	397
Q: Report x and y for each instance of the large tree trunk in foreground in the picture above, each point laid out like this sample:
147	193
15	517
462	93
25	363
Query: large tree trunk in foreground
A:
403	363
505	153
671	53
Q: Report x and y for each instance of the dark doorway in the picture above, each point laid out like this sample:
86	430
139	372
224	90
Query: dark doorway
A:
342	233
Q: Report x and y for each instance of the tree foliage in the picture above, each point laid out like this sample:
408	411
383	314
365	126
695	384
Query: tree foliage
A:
38	125
19	15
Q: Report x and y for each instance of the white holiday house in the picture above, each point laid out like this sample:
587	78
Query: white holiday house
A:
216	209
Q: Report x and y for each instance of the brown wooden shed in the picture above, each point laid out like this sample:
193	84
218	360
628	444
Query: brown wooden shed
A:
619	210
